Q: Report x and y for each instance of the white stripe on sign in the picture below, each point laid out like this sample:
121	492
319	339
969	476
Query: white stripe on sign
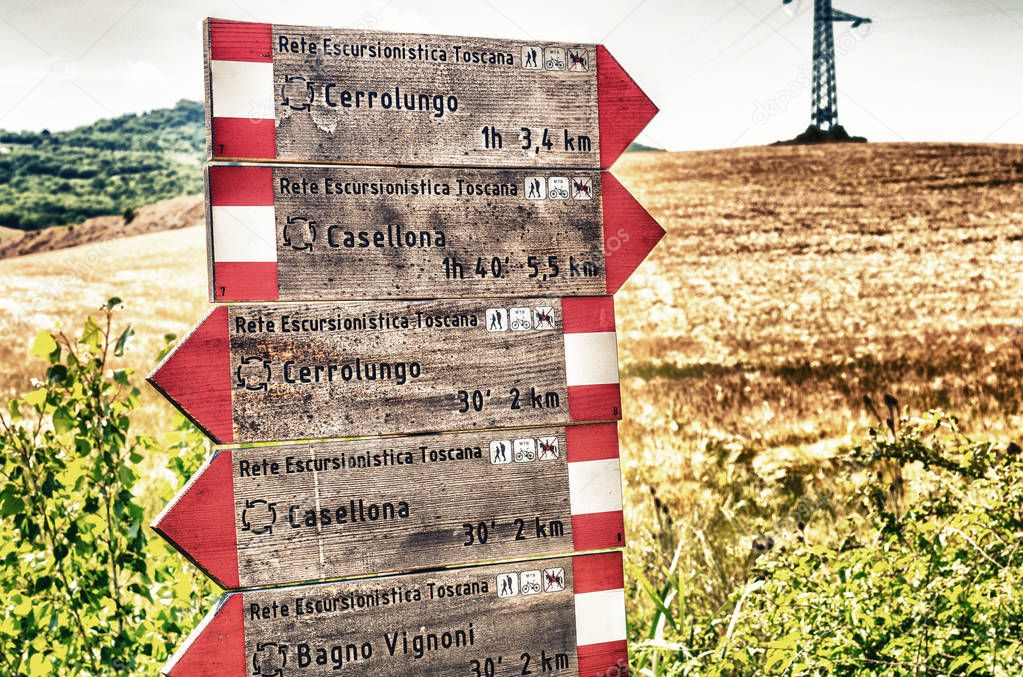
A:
591	358
595	486
244	234
242	89
600	617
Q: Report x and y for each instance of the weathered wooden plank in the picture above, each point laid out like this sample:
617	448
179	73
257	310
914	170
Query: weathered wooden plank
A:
300	232
274	515
278	372
561	616
303	93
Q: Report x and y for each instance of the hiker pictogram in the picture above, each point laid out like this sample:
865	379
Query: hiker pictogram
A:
497	319
507	585
536	188
530	57
500	451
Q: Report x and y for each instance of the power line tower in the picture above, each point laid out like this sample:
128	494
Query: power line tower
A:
824	104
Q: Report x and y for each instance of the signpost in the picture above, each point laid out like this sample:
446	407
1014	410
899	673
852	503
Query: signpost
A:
303	93
299	232
289	513
489	203
562	616
275	372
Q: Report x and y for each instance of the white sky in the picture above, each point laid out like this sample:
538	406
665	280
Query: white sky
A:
723	72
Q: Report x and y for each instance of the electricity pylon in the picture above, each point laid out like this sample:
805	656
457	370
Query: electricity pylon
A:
824	104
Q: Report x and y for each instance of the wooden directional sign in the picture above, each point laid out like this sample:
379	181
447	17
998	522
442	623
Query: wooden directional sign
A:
562	616
277	372
297	232
280	514
302	93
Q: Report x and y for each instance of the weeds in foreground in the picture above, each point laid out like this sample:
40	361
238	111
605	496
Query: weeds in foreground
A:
86	590
912	564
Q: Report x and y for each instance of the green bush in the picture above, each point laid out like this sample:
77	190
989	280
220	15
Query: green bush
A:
922	576
86	588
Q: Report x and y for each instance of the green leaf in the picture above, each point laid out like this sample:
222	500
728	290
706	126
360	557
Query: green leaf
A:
36	398
975	666
775	659
113	302
959	662
122	340
56	374
62	421
789	641
10	503
37	665
92	334
44	345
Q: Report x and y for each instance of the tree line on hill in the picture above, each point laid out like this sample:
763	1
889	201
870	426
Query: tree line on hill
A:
109	167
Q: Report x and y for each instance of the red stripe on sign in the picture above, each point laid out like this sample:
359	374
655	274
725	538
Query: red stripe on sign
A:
240	281
591	442
595	403
629	233
240	41
241	186
593	573
200	521
588	314
607	659
598	530
196	377
244	139
219	648
623	110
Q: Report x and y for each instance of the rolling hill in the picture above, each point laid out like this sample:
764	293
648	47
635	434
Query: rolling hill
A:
110	167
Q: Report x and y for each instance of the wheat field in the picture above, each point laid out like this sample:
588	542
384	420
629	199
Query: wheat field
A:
793	281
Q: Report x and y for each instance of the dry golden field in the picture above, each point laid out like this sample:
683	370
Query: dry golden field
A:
160	276
791	281
794	280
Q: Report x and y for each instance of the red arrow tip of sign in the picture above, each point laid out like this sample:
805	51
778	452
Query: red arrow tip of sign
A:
216	647
196	377
200	521
623	109
629	232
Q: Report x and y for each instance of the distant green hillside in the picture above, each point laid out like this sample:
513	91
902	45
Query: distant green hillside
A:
107	167
639	147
